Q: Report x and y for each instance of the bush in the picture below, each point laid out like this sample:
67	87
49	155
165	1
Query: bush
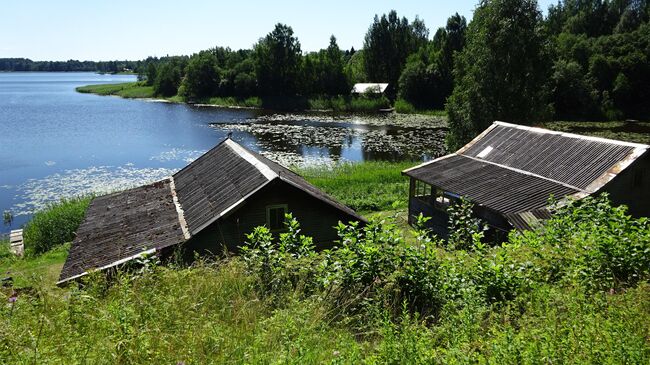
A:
54	225
592	243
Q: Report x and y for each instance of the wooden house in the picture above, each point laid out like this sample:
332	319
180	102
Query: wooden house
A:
208	207
510	171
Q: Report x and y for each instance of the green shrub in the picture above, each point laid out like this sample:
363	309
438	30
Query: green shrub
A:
54	225
573	291
593	243
403	106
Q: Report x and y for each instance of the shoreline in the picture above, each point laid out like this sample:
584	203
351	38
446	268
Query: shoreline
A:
337	104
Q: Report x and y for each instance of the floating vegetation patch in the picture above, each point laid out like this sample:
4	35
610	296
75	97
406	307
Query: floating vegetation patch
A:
36	193
388	119
177	154
289	159
339	143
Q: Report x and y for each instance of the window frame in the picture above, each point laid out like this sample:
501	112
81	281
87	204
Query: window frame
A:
285	207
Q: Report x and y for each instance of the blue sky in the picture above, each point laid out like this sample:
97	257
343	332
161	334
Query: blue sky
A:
120	29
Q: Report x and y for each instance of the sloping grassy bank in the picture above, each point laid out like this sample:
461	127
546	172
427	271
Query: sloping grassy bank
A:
574	292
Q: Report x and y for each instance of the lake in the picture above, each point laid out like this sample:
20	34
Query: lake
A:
55	142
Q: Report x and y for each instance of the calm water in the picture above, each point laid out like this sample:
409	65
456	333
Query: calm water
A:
55	142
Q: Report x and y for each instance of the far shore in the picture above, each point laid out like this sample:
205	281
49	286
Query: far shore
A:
139	90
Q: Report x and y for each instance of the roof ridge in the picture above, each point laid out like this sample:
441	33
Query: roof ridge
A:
571	135
263	168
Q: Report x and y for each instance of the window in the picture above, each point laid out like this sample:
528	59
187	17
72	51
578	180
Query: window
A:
422	190
275	216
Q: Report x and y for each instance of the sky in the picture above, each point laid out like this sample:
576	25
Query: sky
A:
120	29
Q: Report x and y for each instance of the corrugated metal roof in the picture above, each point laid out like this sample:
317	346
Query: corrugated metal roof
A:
498	188
122	225
572	159
528	220
514	169
225	176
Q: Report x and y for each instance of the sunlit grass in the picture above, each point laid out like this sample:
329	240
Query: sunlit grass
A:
367	187
125	90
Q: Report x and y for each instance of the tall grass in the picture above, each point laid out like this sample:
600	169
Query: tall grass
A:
354	304
54	225
366	186
404	107
348	103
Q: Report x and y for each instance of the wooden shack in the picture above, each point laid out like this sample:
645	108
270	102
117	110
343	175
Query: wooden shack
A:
510	171
209	206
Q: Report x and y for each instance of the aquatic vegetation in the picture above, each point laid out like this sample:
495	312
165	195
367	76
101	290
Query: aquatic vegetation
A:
363	141
37	193
178	154
125	90
367	186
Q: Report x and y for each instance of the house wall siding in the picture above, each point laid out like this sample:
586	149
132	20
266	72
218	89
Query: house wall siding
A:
632	187
317	220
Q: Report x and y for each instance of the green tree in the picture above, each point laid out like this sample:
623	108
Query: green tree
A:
278	59
427	79
151	73
168	79
201	76
388	43
334	80
501	73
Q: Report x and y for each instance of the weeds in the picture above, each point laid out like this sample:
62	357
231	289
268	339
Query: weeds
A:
376	298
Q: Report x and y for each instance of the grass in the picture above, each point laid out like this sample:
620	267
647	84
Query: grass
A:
41	270
348	103
216	313
365	187
126	90
638	132
230	101
338	103
404	107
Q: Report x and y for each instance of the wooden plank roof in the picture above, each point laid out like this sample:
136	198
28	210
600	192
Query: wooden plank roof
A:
122	226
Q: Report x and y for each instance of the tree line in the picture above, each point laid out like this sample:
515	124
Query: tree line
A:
25	64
